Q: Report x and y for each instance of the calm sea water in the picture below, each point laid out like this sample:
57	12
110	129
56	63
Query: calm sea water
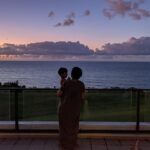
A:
95	74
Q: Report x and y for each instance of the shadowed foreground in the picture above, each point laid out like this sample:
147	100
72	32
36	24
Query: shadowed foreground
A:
84	144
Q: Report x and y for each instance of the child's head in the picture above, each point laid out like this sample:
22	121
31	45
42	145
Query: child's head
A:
76	73
63	72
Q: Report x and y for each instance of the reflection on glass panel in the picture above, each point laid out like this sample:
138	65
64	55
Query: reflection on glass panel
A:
38	105
110	106
6	108
113	109
145	106
145	110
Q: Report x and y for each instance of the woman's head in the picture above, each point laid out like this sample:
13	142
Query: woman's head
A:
76	73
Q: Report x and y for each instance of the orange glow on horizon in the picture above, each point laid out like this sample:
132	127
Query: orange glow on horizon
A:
6	57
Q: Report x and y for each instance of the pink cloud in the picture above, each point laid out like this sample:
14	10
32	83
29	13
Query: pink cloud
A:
123	7
144	12
119	6
135	16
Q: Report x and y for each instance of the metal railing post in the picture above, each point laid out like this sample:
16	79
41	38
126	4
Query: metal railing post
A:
138	112
16	111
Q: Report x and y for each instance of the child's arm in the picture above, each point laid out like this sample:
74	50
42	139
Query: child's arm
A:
59	93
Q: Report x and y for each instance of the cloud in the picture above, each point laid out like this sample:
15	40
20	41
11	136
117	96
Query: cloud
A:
135	16
119	7
140	1
135	49
144	12
134	46
87	13
108	14
51	14
129	8
70	19
121	58
46	49
58	24
68	22
71	15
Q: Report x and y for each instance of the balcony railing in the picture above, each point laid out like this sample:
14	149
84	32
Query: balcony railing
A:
104	110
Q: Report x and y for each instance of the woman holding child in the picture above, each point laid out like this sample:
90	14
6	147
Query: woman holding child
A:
72	95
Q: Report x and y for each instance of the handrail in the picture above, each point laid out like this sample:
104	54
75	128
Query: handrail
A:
91	89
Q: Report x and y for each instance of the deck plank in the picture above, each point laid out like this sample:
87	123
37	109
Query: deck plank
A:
37	144
51	144
7	144
144	143
84	144
119	147
6	147
98	141
145	148
98	144
114	142
22	144
127	142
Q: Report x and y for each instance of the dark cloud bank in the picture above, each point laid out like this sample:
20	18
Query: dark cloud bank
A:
133	46
47	50
135	49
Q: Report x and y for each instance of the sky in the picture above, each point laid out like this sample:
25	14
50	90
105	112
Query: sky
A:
94	23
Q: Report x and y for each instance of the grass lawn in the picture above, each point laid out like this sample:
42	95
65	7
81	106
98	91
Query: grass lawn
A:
41	105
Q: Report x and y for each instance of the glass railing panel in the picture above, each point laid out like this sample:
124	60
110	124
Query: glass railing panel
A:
38	109
145	110
111	107
38	105
7	109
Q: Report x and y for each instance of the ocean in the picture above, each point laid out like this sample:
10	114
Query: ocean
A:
43	74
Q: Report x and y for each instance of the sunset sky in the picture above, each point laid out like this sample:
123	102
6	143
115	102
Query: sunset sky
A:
91	22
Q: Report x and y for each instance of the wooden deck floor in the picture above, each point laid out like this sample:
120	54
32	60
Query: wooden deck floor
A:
84	144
